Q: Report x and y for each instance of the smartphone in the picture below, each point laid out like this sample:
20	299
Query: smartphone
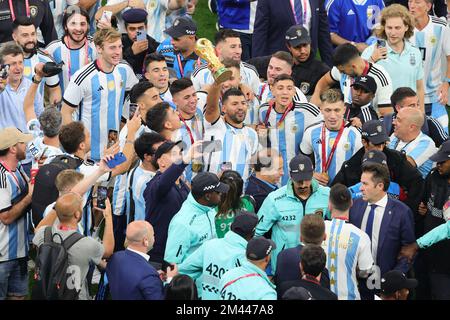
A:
119	158
4	71
381	43
141	35
102	193
132	110
165	265
226	166
106	16
211	146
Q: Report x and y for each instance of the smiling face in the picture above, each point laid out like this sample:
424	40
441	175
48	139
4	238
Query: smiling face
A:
186	101
77	27
111	52
235	109
277	67
26	37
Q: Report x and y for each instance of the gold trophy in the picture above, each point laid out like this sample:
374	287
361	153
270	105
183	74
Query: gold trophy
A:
204	49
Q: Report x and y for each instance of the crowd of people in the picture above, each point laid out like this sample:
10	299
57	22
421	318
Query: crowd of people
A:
293	178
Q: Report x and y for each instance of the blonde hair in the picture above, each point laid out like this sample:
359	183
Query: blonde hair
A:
67	179
396	11
106	35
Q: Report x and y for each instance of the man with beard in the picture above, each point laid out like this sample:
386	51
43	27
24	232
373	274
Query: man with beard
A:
100	87
25	35
75	48
15	198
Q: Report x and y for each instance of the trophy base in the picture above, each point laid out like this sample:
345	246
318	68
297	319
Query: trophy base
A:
222	75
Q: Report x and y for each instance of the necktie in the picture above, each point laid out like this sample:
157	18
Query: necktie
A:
298	11
369	225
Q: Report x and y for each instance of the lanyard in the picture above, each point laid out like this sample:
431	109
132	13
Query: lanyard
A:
64	228
187	128
262	90
11	173
341	218
271	106
326	164
246	276
304	6
180	64
86	57
366	68
11	8
346	118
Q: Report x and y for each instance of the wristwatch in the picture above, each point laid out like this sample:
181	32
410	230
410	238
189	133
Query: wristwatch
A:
35	81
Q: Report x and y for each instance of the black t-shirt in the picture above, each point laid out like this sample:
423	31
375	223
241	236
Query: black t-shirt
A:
307	74
317	291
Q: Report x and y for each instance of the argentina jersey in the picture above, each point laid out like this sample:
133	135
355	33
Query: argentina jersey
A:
58	8
28	71
93	22
420	150
286	136
349	144
13	236
348	249
74	59
394	191
264	94
156	18
136	184
238	146
202	76
99	98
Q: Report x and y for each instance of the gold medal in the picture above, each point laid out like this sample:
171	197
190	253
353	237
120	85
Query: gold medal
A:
325	174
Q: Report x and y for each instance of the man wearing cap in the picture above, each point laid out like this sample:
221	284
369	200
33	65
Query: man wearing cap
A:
194	223
409	139
395	286
250	281
361	109
134	50
284	208
307	70
179	49
374	137
212	259
15	199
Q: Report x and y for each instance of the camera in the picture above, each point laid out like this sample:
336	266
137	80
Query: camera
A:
381	43
4	71
51	68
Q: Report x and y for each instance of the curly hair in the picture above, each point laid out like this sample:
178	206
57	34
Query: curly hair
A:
396	11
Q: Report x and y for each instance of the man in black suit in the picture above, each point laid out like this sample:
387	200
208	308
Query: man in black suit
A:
313	260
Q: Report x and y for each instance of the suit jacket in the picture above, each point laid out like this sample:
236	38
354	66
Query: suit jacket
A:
131	277
274	17
317	291
396	230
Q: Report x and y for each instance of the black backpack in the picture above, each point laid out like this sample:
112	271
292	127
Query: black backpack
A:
45	191
53	277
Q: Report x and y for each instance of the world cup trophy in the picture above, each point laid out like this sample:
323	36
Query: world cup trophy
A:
204	49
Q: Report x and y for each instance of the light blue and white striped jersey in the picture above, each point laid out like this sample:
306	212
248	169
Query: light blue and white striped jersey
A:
99	97
166	96
28	71
348	145
74	59
58	7
14	236
287	136
156	19
37	145
202	76
92	12
140	178
238	146
434	43
378	73
264	94
348	249
420	149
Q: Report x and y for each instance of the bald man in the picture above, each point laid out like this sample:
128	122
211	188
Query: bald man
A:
130	275
409	139
69	208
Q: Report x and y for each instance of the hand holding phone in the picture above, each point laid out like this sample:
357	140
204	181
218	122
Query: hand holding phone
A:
106	16
132	110
141	35
118	159
4	71
102	193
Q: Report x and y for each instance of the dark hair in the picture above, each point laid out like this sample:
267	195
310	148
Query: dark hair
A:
282	77
23	21
380	173
223	34
182	287
344	53
139	90
144	143
312	229
180	85
401	93
232	199
313	259
73	10
156	116
71	136
340	197
231	92
285	56
50	121
153	57
9	48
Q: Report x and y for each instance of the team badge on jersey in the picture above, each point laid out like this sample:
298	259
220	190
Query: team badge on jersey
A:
111	85
304	87
347	146
26	71
294	128
433	40
33	11
152	4
412	59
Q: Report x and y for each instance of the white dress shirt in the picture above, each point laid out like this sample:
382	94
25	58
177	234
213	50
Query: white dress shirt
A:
143	255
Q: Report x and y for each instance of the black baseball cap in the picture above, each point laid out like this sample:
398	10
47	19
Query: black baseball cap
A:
374	156
297	35
443	153
301	168
366	82
166	147
297	293
134	15
395	280
244	222
182	26
259	248
205	182
374	131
